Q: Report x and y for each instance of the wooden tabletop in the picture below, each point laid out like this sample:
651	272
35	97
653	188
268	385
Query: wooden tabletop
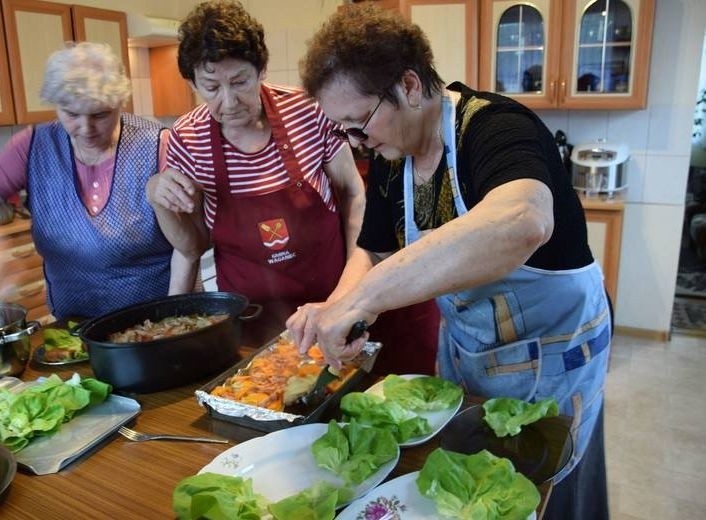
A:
124	479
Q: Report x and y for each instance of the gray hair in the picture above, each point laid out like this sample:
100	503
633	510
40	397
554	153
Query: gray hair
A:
87	72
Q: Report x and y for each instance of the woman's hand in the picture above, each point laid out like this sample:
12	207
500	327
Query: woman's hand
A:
172	190
328	324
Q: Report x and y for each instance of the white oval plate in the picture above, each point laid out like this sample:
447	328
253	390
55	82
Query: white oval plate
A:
395	500
281	464
437	419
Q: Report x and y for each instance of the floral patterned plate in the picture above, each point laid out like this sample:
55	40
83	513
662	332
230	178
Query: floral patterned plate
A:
397	499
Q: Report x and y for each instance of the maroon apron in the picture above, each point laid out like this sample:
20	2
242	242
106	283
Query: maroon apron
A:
280	249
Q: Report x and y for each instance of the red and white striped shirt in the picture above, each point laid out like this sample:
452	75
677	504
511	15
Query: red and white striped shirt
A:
261	172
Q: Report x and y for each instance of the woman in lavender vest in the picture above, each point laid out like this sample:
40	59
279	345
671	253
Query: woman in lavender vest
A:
85	175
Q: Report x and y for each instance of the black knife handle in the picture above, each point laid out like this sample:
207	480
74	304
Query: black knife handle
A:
357	330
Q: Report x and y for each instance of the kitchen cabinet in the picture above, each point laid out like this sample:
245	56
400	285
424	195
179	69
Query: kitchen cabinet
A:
103	25
172	95
452	29
21	271
57	23
7	107
27	53
604	221
581	54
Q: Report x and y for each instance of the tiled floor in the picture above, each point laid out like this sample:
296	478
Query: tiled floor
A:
655	424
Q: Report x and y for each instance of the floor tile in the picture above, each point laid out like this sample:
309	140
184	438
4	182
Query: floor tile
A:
655	428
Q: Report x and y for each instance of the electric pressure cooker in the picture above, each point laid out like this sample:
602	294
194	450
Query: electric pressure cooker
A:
599	167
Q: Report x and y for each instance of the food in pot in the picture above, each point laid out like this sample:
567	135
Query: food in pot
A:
166	328
277	372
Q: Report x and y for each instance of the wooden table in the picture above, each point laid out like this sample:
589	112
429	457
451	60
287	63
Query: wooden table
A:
126	480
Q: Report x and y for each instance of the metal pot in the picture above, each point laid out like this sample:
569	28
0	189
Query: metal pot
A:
599	167
15	332
167	362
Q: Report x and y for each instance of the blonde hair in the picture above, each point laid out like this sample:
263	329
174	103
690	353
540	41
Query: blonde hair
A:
86	72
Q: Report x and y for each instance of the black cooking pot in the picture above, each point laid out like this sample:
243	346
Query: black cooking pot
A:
168	362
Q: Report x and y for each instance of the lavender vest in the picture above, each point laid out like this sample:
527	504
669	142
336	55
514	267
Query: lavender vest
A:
94	265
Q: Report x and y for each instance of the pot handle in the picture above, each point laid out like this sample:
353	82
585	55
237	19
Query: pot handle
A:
257	310
32	327
78	328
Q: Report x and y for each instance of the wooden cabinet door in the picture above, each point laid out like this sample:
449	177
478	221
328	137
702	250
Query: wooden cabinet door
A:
28	53
520	50
606	53
103	26
7	107
172	95
605	230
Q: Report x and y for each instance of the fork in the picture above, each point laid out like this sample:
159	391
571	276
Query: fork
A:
138	437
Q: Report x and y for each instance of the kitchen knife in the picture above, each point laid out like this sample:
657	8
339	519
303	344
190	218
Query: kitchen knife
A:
328	374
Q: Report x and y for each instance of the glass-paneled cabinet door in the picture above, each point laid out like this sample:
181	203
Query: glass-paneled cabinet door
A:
519	50
607	66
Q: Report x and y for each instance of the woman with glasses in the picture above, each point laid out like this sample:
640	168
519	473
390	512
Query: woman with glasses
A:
468	202
258	172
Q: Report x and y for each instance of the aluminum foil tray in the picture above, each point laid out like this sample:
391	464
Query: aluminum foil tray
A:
264	419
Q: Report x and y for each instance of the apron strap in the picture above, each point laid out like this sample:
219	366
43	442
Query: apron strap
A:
279	132
219	160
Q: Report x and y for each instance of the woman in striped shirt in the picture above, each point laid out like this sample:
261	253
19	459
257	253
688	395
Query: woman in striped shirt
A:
257	172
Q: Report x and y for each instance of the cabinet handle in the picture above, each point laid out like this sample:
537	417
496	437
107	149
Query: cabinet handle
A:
24	251
562	91
552	90
34	290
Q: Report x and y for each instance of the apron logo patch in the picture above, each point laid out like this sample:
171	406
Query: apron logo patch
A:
274	233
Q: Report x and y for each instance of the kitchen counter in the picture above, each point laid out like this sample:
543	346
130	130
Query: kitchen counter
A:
603	202
124	479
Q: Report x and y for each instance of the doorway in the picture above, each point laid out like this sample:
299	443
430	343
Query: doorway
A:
689	311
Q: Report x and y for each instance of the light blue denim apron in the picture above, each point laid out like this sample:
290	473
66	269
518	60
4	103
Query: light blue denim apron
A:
531	335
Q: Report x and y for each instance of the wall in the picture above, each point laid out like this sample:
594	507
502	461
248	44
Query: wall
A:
659	136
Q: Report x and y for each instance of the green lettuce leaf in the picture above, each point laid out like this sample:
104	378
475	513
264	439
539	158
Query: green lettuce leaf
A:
62	338
506	415
376	411
217	497
354	451
315	503
476	487
42	408
422	393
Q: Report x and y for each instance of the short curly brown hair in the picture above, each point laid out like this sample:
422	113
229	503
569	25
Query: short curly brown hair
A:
371	47
216	30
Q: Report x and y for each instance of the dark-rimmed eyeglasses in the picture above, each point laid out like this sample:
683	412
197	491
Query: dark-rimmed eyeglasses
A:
357	133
